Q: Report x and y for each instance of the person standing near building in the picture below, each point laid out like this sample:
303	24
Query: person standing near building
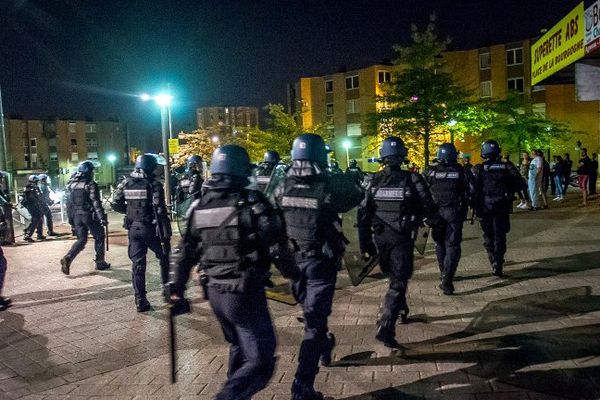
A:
32	201
141	197
388	221
593	174
523	193
311	200
567	171
583	175
234	234
46	203
495	184
451	188
355	171
558	178
86	215
545	179
534	181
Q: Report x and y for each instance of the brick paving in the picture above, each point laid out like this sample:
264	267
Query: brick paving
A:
532	335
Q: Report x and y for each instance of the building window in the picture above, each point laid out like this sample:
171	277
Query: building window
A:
516	84
384	76
26	158
33	142
352	82
352	106
34	161
514	56
328	86
75	157
329	108
538	88
52	142
54	156
91	142
353	130
72	127
485	89
90	128
485	61
92	155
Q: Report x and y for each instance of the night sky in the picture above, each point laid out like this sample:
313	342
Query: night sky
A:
77	58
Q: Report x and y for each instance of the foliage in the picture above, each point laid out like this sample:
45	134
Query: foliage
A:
422	96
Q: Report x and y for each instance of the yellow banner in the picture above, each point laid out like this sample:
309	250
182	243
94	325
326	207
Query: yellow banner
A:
173	146
559	47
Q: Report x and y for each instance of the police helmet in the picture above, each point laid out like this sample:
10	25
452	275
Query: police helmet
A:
392	146
271	157
310	147
353	164
194	161
447	153
86	167
43	177
490	148
146	162
33	178
230	159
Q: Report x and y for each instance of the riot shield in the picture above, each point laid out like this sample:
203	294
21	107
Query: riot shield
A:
422	234
357	267
180	213
277	177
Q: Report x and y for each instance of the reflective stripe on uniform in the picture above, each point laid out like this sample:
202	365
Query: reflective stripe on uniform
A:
213	217
300	202
390	194
263	179
136	194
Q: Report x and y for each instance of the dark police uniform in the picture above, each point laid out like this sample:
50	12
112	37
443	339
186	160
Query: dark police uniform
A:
5	302
495	182
449	185
86	215
32	201
311	200
190	185
234	234
393	208
263	175
142	198
46	203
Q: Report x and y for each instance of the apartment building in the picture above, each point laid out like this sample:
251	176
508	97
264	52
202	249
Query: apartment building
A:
226	118
57	146
343	101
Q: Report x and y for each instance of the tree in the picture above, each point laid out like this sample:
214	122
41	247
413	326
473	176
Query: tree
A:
421	97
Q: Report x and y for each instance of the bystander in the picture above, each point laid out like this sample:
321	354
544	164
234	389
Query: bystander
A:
583	174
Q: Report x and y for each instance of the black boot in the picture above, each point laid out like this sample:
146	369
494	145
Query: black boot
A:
404	316
65	265
5	302
447	286
28	239
41	237
497	269
386	335
102	265
302	391
52	233
328	351
142	305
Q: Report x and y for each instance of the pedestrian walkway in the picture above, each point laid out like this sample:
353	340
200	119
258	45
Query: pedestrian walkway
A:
534	334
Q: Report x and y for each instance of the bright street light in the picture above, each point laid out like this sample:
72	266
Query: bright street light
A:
452	122
215	139
111	158
347	145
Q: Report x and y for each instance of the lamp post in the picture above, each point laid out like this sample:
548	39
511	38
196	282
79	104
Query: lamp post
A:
164	102
111	159
452	124
347	145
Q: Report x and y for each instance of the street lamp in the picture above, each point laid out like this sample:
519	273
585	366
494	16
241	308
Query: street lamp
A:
164	100
452	123
111	159
347	145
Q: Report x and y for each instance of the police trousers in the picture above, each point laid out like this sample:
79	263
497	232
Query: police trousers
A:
315	292
495	226
36	223
48	214
448	237
142	236
83	224
247	327
396	259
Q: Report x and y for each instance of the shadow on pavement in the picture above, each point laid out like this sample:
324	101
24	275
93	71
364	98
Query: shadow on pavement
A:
515	359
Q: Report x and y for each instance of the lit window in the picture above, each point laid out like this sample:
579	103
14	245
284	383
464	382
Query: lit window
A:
90	128
485	61
53	156
485	89
514	56
516	84
352	106
72	127
328	86
352	82
538	88
75	157
353	130
384	76
329	108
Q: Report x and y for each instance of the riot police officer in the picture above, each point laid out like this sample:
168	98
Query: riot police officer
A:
334	168
235	233
451	188
355	171
5	302
141	198
86	215
191	183
265	169
311	199
496	183
32	201
388	221
46	203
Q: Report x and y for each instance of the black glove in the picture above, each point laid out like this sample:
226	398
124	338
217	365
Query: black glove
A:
432	221
179	306
369	250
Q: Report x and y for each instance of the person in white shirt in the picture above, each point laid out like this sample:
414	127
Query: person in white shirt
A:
534	181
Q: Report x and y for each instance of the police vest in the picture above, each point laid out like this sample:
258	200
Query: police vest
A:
262	181
80	197
222	223
138	195
395	200
447	186
496	182
302	205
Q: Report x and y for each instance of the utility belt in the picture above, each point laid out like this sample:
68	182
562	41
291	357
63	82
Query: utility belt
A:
246	281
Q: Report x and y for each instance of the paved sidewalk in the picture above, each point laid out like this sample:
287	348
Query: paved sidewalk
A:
532	335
